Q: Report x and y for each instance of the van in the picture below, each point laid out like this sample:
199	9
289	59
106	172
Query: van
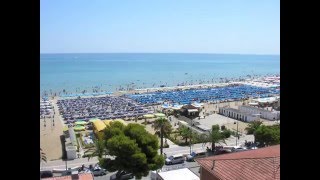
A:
175	159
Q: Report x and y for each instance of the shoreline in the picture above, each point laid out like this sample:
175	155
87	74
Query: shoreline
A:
258	82
132	87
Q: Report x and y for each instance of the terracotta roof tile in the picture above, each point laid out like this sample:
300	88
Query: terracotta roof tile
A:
256	164
83	176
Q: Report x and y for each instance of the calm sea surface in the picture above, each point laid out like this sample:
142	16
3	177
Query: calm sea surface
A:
109	72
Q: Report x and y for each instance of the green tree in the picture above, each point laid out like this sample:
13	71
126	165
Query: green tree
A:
186	133
226	133
115	128
253	126
98	150
163	126
214	136
268	135
135	151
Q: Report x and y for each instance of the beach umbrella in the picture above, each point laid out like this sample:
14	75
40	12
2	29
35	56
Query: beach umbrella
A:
148	116
79	128
160	115
80	123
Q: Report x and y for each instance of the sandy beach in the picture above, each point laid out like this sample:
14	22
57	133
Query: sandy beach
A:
50	131
50	134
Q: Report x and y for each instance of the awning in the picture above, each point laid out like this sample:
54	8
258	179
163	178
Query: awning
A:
79	128
80	123
160	115
192	110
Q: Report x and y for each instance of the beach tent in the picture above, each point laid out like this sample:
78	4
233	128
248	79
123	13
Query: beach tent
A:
80	123
148	116
98	125
79	128
160	115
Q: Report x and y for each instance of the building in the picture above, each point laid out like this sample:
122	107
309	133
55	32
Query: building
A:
71	144
189	111
184	174
258	164
239	115
98	127
83	176
269	101
265	114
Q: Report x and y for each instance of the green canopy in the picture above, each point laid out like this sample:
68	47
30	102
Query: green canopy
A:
160	115
79	128
80	123
148	116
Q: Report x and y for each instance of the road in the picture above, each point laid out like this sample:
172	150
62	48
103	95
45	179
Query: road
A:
186	149
60	164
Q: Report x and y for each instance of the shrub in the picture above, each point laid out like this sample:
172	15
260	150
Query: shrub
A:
226	133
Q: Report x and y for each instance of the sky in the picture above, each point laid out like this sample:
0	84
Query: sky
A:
160	26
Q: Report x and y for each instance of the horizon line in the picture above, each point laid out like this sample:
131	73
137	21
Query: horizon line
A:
155	53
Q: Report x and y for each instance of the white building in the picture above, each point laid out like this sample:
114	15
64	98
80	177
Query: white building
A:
71	152
239	115
71	145
179	174
265	114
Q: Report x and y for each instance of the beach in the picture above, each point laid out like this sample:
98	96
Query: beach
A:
50	131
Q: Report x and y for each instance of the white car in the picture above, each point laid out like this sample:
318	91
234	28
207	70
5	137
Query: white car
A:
175	159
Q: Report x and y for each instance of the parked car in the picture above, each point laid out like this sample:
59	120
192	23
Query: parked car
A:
197	154
123	176
175	159
99	172
46	174
240	149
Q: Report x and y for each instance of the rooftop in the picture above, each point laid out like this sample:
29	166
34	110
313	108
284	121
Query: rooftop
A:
256	164
83	176
260	109
184	174
237	111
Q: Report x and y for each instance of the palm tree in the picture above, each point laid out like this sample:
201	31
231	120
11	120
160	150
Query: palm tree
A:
43	156
162	125
214	136
98	150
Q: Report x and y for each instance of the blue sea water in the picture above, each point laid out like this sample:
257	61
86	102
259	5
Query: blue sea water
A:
107	72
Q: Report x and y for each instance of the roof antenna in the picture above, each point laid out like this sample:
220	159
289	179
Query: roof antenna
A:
213	164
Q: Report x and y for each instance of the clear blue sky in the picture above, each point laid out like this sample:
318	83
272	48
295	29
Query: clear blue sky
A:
191	26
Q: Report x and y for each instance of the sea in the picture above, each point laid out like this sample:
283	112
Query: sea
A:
110	72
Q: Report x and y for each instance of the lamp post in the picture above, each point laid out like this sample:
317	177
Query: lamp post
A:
237	135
